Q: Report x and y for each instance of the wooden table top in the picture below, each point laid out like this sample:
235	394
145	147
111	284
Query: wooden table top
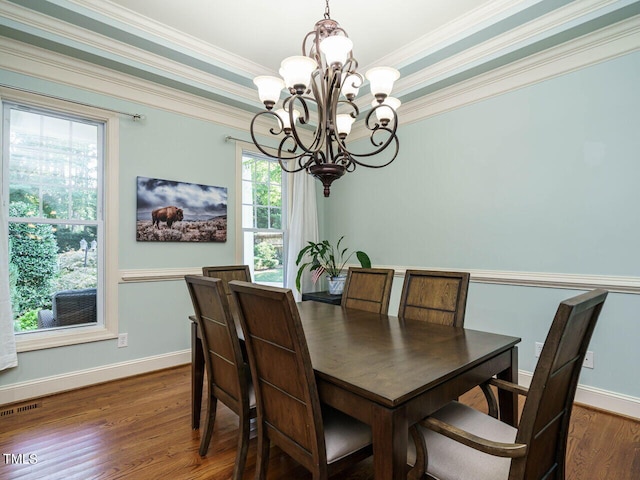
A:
389	360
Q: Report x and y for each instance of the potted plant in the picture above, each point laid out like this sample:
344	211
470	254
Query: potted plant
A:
324	258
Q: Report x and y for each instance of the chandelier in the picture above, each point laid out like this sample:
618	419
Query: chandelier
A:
322	84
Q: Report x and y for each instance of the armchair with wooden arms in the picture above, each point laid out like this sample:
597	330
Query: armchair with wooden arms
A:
458	442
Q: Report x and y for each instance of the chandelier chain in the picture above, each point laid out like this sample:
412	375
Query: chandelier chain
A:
327	14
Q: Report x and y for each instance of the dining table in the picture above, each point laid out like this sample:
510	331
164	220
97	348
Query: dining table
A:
391	372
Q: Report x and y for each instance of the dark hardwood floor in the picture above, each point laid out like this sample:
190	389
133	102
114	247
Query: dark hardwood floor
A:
139	428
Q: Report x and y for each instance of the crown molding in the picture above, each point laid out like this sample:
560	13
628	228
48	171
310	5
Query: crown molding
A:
604	44
513	40
94	43
452	31
150	28
33	61
608	43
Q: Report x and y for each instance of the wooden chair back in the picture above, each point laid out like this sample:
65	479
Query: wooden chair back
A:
228	376
544	423
225	366
368	289
287	398
436	297
226	273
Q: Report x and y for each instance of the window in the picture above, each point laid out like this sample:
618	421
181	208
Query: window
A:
53	190
263	218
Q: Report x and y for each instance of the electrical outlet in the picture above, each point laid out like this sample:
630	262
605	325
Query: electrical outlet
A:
538	349
123	340
588	360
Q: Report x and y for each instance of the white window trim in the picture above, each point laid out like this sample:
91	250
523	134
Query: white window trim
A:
108	304
286	202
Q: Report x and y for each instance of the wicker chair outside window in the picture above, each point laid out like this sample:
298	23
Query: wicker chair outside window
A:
70	307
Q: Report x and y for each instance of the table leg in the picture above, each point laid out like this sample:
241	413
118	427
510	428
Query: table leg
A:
197	376
509	401
390	432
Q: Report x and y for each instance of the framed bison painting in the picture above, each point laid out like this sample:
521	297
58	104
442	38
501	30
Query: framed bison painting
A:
169	211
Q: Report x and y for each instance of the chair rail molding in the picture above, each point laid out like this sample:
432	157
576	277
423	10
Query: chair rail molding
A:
571	281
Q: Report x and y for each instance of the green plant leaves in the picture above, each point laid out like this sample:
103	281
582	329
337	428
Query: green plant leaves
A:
323	255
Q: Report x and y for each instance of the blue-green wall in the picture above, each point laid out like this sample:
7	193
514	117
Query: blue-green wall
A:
542	179
154	314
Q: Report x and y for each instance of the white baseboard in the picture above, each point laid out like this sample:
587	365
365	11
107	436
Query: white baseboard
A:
597	398
19	392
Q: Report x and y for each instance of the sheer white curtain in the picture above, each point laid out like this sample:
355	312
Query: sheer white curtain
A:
303	226
8	356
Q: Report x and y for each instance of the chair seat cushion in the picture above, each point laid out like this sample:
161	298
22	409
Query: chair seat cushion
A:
343	434
451	460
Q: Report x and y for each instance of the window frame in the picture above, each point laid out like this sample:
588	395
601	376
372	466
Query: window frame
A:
107	301
246	149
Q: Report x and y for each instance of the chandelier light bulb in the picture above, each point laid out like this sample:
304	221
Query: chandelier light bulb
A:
343	124
351	86
269	89
283	115
384	113
297	72
381	80
336	49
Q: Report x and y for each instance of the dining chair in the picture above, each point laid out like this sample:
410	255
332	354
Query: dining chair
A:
433	296
463	443
228	376
290	414
368	289
226	273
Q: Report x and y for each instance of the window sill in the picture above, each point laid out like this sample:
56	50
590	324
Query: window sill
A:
59	337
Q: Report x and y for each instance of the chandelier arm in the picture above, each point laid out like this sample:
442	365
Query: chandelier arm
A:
301	165
319	95
253	136
302	100
332	107
269	152
393	138
305	41
351	66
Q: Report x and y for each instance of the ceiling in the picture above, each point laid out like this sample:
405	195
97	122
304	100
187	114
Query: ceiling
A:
375	29
213	49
